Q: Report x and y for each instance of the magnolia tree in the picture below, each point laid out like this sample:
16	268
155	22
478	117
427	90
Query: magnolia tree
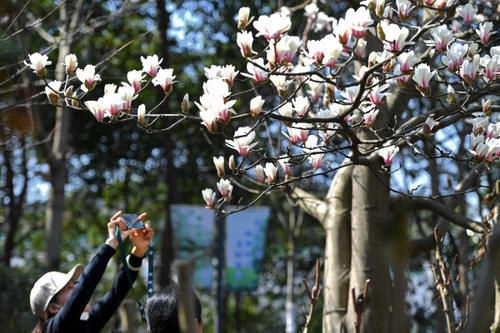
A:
388	80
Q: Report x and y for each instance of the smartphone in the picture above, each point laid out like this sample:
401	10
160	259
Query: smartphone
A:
133	221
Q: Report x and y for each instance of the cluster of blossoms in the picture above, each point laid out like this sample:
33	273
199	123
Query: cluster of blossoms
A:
324	87
115	100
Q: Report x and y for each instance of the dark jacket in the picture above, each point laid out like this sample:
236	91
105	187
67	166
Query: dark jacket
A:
68	318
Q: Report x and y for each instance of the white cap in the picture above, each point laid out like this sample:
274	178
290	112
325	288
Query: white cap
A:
46	287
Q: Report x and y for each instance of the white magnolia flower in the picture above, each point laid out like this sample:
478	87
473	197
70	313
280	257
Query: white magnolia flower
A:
225	188
311	10
360	21
109	88
115	102
97	108
342	30
484	31
219	166
377	94
285	49
243	17
70	63
126	93
467	12
88	77
403	8
360	49
491	67
259	173
134	78
245	41
270	171
301	105
441	37
165	79
454	57
151	65
141	114
369	117
256	105
38	62
406	61
285	165
257	72
272	27
422	75
209	197
350	93
243	140
469	69
394	36
315	53
388	154
208	119
333	48
52	91
286	110
281	83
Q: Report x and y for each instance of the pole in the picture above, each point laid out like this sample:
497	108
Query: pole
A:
220	278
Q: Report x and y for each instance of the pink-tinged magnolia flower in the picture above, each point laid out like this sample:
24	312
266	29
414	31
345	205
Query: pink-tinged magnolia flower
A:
422	75
301	105
315	88
406	61
360	49
244	18
272	27
454	57
401	79
134	78
219	166
97	108
285	165
151	65
491	67
479	125
342	30
285	49
370	117
165	79
38	63
141	114
88	77
486	106
388	154
114	103
377	94
52	91
493	131
315	53
259	173
255	72
270	171
294	135
404	8
281	83
314	150
225	73
71	63
484	31
225	189
208	119
360	21
350	93
469	69
256	105
209	197
333	48
467	12
243	140
245	41
441	37
126	94
394	36
476	139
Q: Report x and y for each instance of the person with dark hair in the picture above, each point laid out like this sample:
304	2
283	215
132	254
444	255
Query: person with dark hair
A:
162	311
60	300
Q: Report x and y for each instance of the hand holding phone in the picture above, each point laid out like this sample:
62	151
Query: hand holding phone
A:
133	221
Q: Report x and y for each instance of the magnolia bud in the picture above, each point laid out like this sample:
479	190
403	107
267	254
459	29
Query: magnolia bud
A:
141	115
380	32
185	104
452	98
486	106
232	163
